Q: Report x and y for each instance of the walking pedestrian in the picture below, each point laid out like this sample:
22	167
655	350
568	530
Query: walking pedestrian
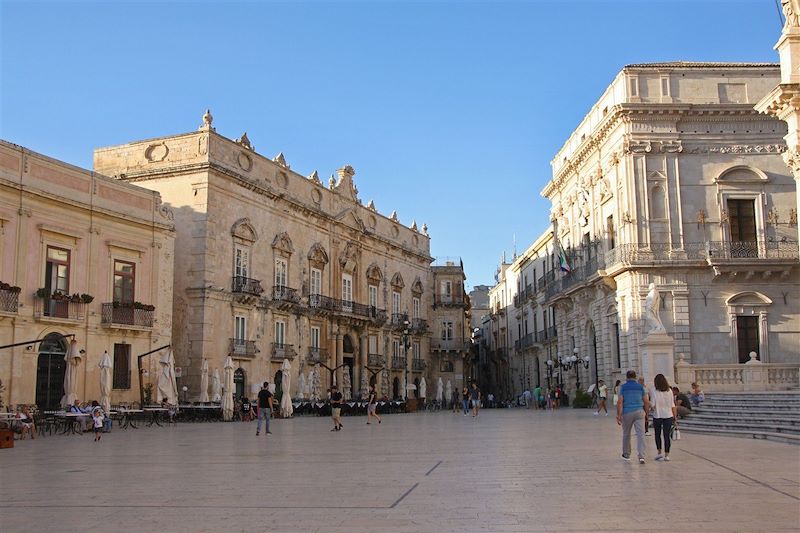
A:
664	414
646	412
97	422
602	392
616	392
527	397
537	397
631	406
454	399
372	405
336	408
465	400
264	408
475	398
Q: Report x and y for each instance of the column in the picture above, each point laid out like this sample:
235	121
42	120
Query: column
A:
339	357
362	364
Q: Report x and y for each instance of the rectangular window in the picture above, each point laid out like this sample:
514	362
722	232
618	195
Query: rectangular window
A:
415	307
446	290
239	329
241	262
124	281
57	270
610	232
281	270
315	330
416	350
747	336
396	303
316	281
373	344
618	352
122	366
373	296
396	348
742	218
347	287
447	330
280	333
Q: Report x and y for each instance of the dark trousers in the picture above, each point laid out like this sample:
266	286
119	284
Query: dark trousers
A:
664	424
646	422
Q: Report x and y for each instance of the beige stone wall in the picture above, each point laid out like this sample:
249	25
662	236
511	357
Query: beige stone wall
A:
220	190
45	202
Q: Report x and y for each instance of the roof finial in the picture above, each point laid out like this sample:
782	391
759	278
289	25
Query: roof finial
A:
207	120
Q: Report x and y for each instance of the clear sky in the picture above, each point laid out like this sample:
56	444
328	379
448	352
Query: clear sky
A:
450	112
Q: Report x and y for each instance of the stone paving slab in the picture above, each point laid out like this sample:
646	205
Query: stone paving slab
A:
507	471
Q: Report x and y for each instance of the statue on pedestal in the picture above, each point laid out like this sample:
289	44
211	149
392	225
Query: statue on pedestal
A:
652	309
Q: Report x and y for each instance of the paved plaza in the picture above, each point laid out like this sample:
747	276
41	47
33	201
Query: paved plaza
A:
508	470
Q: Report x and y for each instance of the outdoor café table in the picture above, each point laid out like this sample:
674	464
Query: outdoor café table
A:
71	420
8	418
154	412
128	417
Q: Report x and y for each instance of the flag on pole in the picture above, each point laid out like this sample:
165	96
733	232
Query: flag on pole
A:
562	260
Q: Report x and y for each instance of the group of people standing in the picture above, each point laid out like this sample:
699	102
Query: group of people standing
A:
470	397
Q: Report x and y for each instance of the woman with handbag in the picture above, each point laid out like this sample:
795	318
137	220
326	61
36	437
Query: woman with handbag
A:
664	415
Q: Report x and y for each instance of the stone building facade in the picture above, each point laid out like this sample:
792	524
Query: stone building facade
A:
84	258
451	346
273	265
673	179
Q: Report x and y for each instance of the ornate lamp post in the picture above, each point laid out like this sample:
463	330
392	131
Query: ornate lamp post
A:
549	363
567	363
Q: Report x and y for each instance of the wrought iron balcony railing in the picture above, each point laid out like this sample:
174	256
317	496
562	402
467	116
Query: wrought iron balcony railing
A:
418	365
448	299
284	294
320	302
243	285
375	360
64	308
419	326
281	351
317	355
400	321
241	348
710	251
398	363
123	314
9	301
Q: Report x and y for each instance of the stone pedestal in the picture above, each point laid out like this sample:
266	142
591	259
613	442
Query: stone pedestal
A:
657	352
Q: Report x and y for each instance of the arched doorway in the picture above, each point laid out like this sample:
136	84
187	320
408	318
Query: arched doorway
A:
50	371
416	389
348	359
239	382
396	388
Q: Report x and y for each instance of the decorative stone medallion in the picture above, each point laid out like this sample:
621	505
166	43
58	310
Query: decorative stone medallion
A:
245	161
156	152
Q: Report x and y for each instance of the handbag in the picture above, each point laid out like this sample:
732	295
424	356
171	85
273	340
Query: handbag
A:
675	434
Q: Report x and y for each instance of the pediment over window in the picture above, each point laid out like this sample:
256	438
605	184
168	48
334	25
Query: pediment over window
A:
349	257
416	287
742	174
283	243
374	274
318	255
242	229
750	298
397	281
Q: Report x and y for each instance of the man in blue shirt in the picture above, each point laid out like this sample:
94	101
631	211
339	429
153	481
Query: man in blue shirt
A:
631	406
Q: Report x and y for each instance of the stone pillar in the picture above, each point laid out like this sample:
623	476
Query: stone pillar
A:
361	363
755	375
339	358
657	352
684	376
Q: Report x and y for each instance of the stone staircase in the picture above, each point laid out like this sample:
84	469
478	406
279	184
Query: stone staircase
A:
757	415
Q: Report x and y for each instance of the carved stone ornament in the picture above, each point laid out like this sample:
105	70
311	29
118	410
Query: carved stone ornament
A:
397	281
740	149
245	142
282	242
605	189
371	206
790	13
793	217
317	255
425	228
245	161
281	160
345	184
243	230
156	152
374	274
723	217
414	225
348	259
207	120
670	147
163	210
416	287
792	160
393	216
701	218
331	182
637	147
314	176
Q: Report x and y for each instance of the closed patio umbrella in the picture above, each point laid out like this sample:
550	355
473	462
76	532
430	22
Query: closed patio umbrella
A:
216	387
301	386
167	385
286	385
439	391
73	359
105	382
204	382
423	388
227	390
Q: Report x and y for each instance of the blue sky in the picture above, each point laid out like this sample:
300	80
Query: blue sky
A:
450	112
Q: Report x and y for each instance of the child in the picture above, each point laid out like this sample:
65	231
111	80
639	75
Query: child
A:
97	420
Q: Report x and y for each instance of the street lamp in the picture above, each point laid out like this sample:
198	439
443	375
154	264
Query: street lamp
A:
406	343
577	362
549	363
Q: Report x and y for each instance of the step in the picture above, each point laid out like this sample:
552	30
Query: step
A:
767	435
744	426
774	419
749	406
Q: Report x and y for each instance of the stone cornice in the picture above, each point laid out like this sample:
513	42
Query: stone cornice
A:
781	102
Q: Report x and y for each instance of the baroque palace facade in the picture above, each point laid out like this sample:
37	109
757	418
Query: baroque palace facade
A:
672	179
273	265
86	269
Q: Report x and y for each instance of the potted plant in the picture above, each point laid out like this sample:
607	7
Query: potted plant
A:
87	298
58	296
16	289
75	298
42	293
4	286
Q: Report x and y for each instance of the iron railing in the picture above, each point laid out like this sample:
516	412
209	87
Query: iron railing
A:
418	365
376	360
50	308
317	355
284	294
242	348
333	305
419	326
241	284
448	299
281	351
9	301
398	363
115	313
710	251
399	321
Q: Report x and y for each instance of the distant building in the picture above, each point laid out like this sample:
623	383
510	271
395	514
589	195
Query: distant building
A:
451	346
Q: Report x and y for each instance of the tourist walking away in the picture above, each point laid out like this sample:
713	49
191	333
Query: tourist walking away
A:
551	396
646	412
602	393
527	397
537	397
264	408
475	398
664	414
454	398
631	406
97	422
557	397
616	392
336	408
697	396
372	405
465	400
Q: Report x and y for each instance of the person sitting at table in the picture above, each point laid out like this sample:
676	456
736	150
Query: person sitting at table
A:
25	422
83	421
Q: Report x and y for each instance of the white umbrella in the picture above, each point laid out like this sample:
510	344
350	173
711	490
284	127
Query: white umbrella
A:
423	388
309	382
449	388
204	382
286	384
439	391
73	359
301	386
364	383
105	383
216	387
227	390
346	385
167	386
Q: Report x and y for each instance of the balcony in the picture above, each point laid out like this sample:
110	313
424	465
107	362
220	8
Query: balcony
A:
446	366
451	346
317	355
419	326
375	360
9	300
398	363
418	365
243	285
448	300
117	314
51	309
325	305
285	297
399	321
242	349
281	351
